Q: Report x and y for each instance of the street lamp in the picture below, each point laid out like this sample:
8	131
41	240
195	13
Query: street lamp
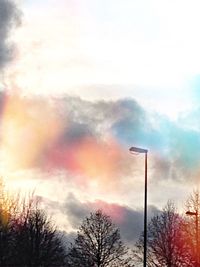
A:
195	213
143	151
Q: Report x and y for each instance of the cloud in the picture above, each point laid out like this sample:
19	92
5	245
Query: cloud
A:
9	18
87	143
91	139
129	221
63	134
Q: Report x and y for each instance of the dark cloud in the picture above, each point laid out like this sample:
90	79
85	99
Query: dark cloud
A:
75	210
129	221
132	226
9	18
76	132
2	103
67	238
101	115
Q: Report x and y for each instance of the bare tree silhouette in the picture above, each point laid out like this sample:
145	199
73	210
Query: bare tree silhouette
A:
167	244
192	224
37	242
98	244
27	236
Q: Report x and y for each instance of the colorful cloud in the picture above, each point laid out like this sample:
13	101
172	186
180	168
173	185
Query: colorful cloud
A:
91	139
128	219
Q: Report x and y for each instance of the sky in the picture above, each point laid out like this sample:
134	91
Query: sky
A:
83	81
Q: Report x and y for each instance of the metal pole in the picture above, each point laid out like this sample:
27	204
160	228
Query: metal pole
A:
197	238
145	151
145	213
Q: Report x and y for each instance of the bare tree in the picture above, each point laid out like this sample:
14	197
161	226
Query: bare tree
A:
37	242
8	213
98	244
27	236
192	225
167	242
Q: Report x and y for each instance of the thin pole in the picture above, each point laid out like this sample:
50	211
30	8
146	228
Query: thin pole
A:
145	213
197	237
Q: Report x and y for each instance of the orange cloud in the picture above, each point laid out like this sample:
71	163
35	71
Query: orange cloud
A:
26	131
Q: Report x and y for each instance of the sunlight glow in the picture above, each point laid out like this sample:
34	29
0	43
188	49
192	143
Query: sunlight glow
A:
26	131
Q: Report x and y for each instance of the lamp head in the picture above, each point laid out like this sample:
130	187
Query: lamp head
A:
138	150
190	213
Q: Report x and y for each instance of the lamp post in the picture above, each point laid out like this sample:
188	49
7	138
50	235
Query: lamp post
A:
143	151
191	213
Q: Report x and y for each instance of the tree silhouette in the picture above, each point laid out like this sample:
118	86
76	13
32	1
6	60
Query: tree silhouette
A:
37	242
192	224
98	244
8	214
27	236
167	242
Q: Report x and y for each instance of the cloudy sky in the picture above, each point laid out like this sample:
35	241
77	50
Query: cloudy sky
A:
81	82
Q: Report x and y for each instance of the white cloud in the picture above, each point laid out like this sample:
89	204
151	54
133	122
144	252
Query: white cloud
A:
150	45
